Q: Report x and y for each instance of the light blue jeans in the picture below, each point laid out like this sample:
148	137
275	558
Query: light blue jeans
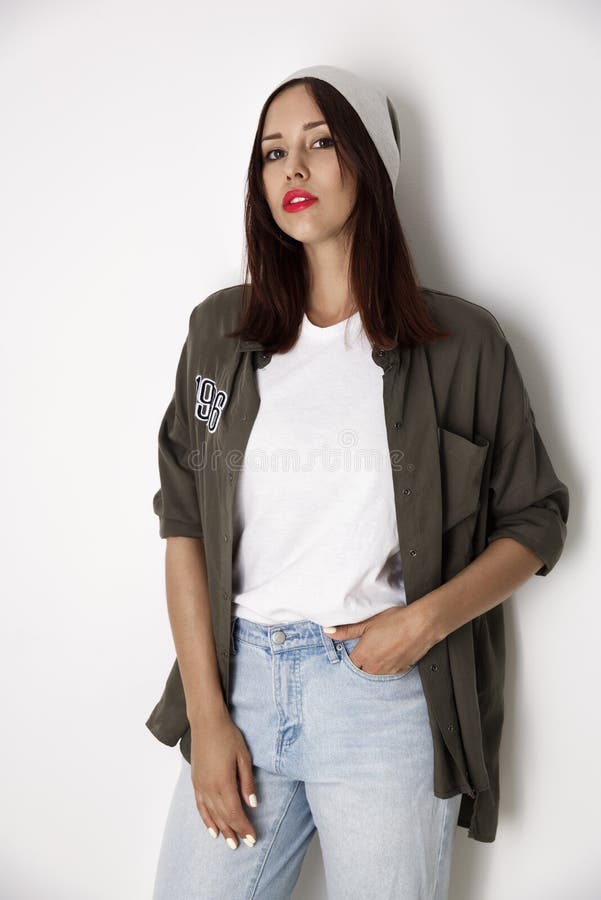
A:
334	749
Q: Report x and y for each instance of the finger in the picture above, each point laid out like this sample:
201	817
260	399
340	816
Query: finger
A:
210	823
246	778
233	820
219	814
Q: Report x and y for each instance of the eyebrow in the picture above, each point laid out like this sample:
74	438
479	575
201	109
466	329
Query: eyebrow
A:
306	127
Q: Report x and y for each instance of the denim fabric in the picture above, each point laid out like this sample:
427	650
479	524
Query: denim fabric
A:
334	749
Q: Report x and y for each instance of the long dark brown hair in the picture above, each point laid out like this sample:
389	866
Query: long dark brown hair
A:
382	275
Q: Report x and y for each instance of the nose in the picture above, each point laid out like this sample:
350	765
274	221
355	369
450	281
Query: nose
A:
295	166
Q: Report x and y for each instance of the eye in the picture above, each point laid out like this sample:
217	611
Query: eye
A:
269	158
332	142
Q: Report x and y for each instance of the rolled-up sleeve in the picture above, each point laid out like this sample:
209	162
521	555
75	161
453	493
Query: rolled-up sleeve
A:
527	500
176	502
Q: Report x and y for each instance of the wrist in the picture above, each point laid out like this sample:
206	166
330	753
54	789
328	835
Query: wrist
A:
208	712
428	608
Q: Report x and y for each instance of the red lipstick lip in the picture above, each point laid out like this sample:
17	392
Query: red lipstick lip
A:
297	192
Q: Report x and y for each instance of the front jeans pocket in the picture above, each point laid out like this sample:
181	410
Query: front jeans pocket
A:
346	647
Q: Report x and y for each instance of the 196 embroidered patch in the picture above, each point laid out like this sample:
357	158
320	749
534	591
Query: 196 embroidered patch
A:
209	402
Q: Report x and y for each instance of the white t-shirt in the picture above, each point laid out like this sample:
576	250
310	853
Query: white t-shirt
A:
315	531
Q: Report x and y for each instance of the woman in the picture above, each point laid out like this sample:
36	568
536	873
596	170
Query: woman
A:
337	613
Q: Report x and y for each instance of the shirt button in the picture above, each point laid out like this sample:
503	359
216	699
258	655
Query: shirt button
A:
380	353
225	652
434	667
451	726
413	553
406	490
225	537
397	424
410	467
231	476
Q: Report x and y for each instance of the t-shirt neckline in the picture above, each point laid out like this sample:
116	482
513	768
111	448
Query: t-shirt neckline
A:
327	329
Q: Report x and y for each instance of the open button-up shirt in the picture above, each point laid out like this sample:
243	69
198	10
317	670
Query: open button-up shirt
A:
468	466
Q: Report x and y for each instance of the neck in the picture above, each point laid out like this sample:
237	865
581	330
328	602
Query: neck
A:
329	298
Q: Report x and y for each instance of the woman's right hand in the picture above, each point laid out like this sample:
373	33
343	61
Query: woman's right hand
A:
220	756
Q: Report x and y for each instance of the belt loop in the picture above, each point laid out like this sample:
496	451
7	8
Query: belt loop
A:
329	646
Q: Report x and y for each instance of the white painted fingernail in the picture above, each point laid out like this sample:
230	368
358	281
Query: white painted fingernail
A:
249	840
232	843
329	630
252	799
212	832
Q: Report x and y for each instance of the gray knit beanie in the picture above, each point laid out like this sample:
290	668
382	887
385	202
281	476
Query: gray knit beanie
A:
373	106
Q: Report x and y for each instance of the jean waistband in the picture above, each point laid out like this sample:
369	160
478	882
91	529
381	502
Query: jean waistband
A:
280	637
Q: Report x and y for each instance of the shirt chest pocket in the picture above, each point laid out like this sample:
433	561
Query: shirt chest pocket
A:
461	470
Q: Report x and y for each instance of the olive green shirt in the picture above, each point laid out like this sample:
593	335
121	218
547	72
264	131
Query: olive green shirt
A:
468	467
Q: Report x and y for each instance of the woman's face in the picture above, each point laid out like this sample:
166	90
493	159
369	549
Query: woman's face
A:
304	158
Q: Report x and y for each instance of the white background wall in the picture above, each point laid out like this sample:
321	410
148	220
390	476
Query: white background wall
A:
126	129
